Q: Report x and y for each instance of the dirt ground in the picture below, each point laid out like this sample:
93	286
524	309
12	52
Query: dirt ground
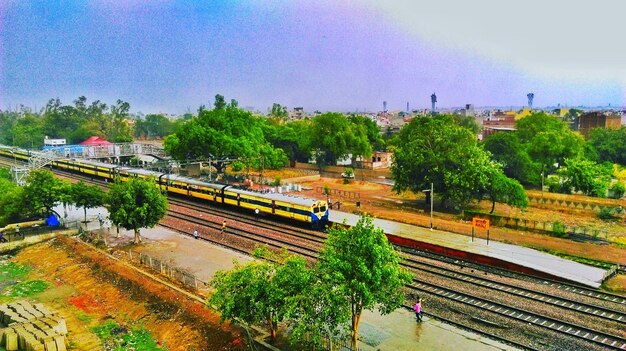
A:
89	289
380	201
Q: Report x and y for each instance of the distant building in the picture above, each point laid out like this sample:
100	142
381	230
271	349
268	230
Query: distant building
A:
378	160
499	121
53	142
297	113
598	119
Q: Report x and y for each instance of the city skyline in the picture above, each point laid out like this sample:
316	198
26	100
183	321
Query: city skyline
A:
170	56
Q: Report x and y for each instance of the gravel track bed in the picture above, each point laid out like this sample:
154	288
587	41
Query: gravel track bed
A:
510	329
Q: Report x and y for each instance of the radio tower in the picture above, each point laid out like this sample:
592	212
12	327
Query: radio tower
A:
433	101
530	96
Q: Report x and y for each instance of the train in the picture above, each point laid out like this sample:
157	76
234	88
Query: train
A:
313	212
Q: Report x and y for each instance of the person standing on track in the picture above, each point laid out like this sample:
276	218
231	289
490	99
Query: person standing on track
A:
195	233
418	310
256	213
223	227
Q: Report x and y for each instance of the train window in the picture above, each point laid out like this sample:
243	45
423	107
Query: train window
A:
323	209
316	210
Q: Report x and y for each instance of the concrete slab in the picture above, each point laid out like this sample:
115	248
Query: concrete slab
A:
533	259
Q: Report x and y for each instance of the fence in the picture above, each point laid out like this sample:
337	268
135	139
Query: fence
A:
167	269
535	226
336	192
583	205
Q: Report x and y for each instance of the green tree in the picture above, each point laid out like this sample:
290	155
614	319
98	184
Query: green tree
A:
437	150
220	134
279	114
220	102
586	176
291	137
120	131
11	202
42	192
364	270
259	292
507	150
505	190
548	140
610	144
136	204
331	136
87	196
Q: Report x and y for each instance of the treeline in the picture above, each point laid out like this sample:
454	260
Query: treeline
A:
77	122
442	150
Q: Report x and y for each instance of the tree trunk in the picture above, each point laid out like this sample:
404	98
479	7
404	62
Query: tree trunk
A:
273	327
356	319
137	236
493	205
85	211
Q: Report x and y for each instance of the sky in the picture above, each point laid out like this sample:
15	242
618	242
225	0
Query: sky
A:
327	55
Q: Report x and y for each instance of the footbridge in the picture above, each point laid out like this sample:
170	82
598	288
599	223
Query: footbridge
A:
112	152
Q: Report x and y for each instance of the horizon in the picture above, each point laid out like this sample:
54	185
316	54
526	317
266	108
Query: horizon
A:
172	57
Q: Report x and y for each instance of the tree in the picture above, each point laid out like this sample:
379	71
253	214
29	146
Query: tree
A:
260	291
548	140
87	196
506	149
505	190
437	150
335	137
610	144
11	202
42	192
279	114
220	102
120	131
586	176
136	204
220	134
291	137
363	270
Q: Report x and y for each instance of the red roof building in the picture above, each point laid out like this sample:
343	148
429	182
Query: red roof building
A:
95	141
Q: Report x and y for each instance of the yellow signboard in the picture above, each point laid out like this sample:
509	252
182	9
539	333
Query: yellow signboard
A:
480	223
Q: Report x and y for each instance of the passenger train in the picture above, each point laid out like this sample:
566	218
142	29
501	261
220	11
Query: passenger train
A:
297	208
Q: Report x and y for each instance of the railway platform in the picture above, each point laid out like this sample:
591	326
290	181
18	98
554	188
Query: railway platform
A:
493	253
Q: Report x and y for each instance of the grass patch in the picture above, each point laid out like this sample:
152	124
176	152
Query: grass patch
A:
120	338
27	288
10	271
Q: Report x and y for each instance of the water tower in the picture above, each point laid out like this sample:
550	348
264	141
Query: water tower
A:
433	101
530	96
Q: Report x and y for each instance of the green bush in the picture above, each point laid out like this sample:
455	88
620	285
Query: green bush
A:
558	229
618	190
236	166
276	181
607	213
346	180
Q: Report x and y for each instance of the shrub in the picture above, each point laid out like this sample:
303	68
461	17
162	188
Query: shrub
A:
276	181
618	190
326	190
346	180
236	166
607	213
558	229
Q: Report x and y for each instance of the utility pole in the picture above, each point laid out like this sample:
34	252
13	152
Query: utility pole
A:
432	194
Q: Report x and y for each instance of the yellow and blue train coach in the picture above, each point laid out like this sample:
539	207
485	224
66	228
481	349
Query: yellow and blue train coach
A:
297	208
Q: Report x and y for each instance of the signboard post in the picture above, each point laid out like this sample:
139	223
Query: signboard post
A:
483	223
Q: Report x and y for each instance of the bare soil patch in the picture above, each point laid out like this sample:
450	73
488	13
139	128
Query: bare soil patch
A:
89	288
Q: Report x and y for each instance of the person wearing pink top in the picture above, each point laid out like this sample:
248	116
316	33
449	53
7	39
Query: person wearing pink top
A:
418	310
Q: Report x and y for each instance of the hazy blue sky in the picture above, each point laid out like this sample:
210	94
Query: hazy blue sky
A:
169	56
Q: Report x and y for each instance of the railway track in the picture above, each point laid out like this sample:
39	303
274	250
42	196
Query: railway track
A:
587	334
309	242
